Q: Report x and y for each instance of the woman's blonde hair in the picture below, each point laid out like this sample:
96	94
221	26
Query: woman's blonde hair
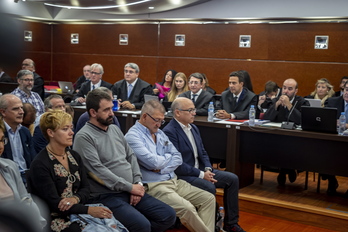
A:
53	120
174	92
325	81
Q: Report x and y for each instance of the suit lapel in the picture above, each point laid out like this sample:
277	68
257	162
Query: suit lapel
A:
182	133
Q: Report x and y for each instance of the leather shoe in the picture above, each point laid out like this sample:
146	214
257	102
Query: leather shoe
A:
292	174
281	178
233	228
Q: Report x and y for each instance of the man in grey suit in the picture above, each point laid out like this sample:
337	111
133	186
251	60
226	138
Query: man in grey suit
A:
199	97
236	101
131	90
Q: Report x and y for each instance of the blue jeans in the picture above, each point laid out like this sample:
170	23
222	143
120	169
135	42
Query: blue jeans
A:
149	214
230	183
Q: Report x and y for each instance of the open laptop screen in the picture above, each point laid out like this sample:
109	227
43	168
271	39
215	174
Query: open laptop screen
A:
66	86
319	119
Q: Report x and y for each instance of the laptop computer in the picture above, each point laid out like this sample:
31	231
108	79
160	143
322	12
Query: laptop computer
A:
6	87
314	102
149	97
66	87
319	119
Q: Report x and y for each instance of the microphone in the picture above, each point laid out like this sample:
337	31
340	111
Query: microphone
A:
289	125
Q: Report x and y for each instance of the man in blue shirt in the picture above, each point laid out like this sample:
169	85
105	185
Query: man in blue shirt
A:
20	147
158	159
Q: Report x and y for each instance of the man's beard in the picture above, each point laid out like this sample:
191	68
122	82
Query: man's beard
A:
105	122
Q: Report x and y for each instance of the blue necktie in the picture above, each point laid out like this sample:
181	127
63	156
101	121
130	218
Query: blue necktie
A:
194	98
93	87
346	112
130	88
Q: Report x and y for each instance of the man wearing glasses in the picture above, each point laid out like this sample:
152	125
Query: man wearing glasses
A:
158	159
131	90
24	91
196	168
96	81
199	97
38	87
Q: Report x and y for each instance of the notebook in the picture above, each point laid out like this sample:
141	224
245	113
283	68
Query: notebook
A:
314	102
66	87
319	119
149	97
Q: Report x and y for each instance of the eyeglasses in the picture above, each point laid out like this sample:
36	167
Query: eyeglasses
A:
95	73
156	120
28	80
194	82
191	110
129	71
25	64
4	140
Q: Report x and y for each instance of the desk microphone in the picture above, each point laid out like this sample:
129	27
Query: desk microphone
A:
289	125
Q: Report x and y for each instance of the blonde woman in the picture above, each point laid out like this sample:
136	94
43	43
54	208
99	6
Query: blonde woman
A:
323	90
179	86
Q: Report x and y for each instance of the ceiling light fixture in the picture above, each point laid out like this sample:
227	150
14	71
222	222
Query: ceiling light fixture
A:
96	7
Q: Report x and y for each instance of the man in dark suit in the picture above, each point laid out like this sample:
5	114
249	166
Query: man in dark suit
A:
82	79
341	104
38	87
131	90
199	97
344	79
4	77
20	147
279	111
236	101
196	167
96	81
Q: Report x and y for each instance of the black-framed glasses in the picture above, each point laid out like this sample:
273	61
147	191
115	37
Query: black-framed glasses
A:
156	120
95	73
4	140
27	80
191	110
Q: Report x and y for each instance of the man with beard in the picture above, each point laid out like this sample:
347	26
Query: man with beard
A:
115	177
38	84
25	80
279	111
19	147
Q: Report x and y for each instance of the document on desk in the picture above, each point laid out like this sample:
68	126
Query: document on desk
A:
130	111
272	124
229	122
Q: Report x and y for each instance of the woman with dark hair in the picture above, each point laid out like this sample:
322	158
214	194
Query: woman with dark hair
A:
206	86
58	176
272	90
162	88
247	80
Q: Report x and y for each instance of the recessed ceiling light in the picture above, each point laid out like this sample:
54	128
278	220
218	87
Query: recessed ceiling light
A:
151	7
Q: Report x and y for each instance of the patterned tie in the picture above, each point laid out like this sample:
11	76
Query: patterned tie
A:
346	112
130	88
194	98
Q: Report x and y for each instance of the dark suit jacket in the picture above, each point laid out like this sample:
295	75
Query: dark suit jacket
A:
202	101
86	87
6	78
336	102
82	79
27	144
337	94
177	136
282	113
241	110
39	86
137	96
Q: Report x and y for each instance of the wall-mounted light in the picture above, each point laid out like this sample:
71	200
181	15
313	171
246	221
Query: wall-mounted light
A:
28	36
179	40
321	42
74	37
245	41
123	38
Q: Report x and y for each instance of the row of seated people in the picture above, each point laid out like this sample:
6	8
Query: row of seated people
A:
132	175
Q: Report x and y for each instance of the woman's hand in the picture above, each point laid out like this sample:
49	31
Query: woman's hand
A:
99	212
66	203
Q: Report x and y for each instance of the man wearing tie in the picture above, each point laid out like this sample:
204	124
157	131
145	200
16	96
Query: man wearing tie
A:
96	81
131	90
236	101
199	97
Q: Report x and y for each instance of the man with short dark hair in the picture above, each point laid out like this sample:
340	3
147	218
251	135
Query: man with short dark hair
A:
96	81
200	98
115	177
28	64
236	102
131	90
24	91
20	147
344	79
196	167
158	159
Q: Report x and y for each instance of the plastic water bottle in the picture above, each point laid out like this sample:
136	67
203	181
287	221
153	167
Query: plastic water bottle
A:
342	123
211	112
220	223
115	108
252	116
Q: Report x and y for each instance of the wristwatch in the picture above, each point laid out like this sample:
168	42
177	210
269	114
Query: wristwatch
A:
208	169
140	183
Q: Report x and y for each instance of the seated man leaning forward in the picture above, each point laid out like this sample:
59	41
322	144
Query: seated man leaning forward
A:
158	158
236	101
115	177
196	167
